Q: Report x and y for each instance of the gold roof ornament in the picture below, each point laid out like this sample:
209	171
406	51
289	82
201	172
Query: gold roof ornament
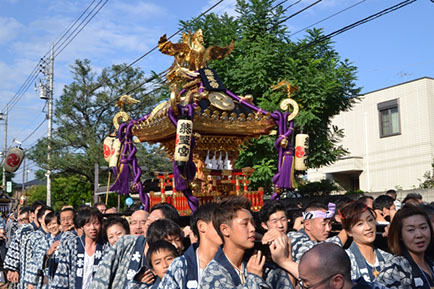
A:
190	55
287	103
124	99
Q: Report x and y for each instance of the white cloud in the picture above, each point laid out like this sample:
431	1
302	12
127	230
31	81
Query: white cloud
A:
9	29
139	9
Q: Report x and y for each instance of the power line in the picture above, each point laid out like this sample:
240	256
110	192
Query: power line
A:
153	49
355	24
34	74
322	20
34	130
296	13
57	53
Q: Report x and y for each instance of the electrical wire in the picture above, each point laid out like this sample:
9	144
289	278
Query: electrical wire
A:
57	53
34	131
34	74
357	23
153	49
296	13
322	20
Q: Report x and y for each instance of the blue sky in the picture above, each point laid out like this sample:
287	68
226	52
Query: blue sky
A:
392	49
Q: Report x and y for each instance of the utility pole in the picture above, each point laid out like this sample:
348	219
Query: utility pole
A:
95	189
50	119
5	146
24	177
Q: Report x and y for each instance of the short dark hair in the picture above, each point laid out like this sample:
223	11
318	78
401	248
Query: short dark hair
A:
42	211
86	215
168	211
160	229
50	216
351	213
314	205
158	246
412	196
24	210
391	192
99	204
204	213
116	221
383	201
69	209
36	204
394	237
428	209
364	199
227	210
270	208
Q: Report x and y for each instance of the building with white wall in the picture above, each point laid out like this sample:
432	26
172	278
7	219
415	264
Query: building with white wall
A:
389	134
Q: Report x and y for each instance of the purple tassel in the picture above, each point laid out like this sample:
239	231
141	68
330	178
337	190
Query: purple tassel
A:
275	196
192	201
286	171
122	183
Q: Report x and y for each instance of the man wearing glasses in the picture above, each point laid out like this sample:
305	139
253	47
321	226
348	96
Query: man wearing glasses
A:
327	266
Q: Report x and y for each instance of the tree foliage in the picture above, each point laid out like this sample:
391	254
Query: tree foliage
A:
428	179
83	117
263	56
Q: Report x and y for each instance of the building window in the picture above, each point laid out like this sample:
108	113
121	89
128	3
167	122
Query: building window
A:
388	112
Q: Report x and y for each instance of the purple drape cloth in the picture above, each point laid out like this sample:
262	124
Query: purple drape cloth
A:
285	171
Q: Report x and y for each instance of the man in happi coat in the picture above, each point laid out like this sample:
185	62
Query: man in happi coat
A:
16	259
32	275
316	229
186	271
80	256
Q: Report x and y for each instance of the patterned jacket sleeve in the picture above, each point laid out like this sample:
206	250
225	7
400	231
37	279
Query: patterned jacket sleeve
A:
354	267
12	259
35	265
277	278
396	274
62	274
175	275
216	277
104	274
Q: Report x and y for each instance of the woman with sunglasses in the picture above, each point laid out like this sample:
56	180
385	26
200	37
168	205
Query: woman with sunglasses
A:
366	260
410	238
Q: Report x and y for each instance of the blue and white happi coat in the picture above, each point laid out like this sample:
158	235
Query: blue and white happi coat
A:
221	274
50	264
183	272
359	266
301	243
69	273
16	259
33	275
121	263
401	272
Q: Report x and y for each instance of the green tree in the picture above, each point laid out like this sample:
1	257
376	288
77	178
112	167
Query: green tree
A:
83	118
428	179
73	190
263	56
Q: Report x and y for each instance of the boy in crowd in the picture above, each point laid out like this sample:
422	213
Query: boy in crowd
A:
16	259
162	211
384	206
80	256
316	229
32	276
160	255
186	271
234	224
128	255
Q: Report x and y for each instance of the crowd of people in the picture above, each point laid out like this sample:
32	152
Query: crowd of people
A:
225	246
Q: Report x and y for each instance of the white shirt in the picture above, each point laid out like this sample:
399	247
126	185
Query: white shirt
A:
87	269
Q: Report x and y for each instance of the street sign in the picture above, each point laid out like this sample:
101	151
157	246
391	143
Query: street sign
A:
129	201
9	187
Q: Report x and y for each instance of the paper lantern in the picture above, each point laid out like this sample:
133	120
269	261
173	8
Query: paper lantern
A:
13	159
301	151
